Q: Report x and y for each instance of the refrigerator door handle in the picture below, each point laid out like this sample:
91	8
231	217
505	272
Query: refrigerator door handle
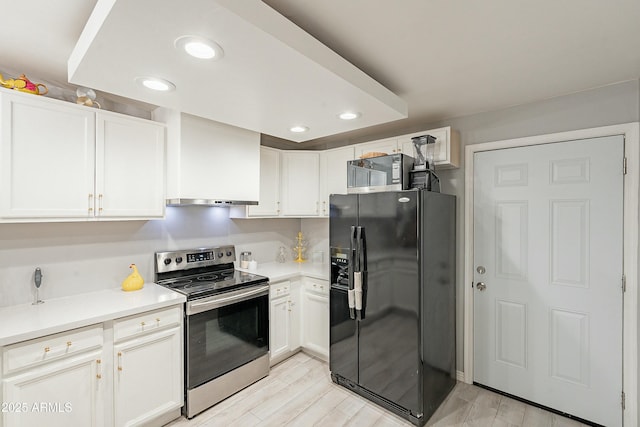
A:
353	259
361	284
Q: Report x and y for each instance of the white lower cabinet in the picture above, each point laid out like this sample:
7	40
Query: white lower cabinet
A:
147	367
279	325
284	320
69	392
147	377
125	372
315	318
56	380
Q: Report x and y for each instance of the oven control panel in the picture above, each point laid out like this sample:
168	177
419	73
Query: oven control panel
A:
200	256
191	258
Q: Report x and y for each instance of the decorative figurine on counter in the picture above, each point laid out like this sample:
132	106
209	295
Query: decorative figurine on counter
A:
23	84
134	281
300	248
282	256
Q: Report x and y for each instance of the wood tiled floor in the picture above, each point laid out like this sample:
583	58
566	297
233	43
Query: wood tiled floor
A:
299	392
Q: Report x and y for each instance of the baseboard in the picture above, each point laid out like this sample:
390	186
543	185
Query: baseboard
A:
460	376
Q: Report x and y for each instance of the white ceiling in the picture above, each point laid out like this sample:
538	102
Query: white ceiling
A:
445	58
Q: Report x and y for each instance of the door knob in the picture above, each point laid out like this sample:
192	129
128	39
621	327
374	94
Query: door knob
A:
481	286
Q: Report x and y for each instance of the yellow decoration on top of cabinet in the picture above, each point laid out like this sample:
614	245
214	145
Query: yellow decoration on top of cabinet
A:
134	281
23	84
300	248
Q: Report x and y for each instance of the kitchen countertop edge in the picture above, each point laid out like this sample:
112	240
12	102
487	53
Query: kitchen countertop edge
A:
277	272
26	321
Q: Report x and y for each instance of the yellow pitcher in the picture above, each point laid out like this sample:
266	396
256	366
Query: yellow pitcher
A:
23	84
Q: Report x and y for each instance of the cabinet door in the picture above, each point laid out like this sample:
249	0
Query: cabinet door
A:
269	203
333	173
446	150
300	183
294	315
46	158
279	326
66	393
386	146
315	329
129	167
148	374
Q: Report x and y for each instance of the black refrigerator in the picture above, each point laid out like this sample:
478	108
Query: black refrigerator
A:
392	298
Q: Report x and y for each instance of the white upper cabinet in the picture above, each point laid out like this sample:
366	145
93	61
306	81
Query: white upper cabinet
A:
300	183
64	162
47	158
446	150
129	167
333	174
269	202
208	160
385	146
447	146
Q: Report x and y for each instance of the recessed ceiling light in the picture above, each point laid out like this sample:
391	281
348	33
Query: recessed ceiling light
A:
349	115
200	47
156	83
298	129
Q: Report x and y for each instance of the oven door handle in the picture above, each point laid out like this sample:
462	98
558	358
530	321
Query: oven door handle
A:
226	299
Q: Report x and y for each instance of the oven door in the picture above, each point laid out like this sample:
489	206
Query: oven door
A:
225	332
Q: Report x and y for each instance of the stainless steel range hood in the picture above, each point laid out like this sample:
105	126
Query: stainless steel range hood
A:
209	202
209	163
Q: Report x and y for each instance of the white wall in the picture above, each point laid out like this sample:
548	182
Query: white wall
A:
89	256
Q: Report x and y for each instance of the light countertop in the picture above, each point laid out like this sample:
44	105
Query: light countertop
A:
289	270
26	321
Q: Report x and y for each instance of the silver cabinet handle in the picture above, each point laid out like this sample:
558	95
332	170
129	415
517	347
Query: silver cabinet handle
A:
481	286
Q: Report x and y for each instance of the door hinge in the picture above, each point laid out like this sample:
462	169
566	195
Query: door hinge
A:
622	400
624	283
624	166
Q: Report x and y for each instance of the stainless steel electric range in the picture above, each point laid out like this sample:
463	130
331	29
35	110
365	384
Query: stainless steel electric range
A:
226	322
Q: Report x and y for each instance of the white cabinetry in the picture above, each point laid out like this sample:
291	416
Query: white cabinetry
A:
300	183
315	318
56	380
447	146
333	174
284	330
386	146
446	150
62	162
129	167
125	372
147	366
269	202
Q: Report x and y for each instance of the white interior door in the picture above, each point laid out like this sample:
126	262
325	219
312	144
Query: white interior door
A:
548	222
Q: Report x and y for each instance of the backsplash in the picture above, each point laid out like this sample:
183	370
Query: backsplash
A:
90	256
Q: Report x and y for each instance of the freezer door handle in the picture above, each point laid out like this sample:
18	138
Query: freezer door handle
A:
353	255
351	297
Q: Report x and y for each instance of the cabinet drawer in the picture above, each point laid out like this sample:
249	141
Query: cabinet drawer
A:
146	322
52	347
320	287
279	289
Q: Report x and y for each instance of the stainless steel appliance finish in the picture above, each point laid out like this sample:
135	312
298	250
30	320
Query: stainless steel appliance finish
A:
392	298
226	323
383	173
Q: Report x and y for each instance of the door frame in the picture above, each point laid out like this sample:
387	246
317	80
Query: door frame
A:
630	132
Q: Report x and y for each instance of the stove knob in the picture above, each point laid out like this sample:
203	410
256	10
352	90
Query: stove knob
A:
220	254
167	261
229	253
178	260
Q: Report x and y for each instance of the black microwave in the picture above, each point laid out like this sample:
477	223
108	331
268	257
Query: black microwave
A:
383	173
